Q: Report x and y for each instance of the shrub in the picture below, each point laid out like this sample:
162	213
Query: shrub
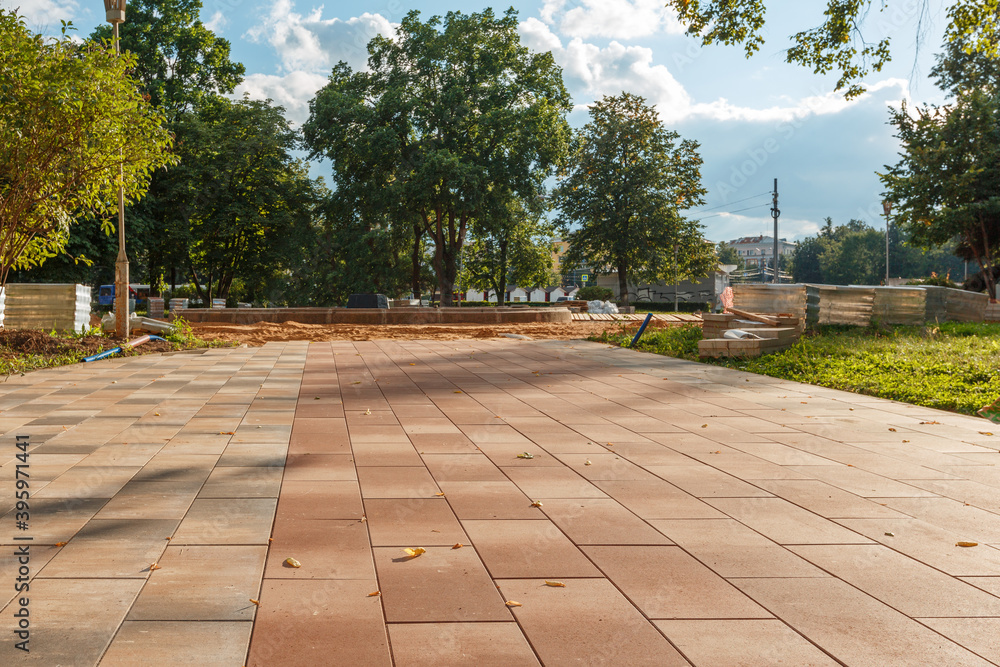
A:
595	293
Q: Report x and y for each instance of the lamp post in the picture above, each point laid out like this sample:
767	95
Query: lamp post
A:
115	12
887	209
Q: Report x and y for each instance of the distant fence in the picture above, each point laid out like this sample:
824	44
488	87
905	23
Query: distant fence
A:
858	304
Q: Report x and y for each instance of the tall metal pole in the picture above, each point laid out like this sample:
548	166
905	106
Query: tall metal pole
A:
774	214
116	15
887	209
676	297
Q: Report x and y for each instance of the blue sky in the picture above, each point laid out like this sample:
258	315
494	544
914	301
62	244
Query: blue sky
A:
756	119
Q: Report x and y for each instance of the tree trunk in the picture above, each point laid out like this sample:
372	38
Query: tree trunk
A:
623	284
503	273
418	233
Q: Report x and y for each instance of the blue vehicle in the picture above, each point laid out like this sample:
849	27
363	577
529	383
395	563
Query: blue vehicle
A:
106	295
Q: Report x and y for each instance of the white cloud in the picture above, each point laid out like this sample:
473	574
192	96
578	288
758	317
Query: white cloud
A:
292	91
311	43
217	22
42	13
613	19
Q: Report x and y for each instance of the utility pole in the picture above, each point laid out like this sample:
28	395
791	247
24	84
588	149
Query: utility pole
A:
676	302
774	214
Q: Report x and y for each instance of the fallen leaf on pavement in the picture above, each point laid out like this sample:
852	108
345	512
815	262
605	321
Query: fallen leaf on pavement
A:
414	552
374	594
966	544
153	566
291	562
525	455
511	603
555	584
458	546
536	504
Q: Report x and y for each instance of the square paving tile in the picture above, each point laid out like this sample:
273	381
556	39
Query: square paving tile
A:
435	644
588	622
441	585
331	622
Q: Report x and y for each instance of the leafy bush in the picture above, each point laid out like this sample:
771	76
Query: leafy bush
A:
595	293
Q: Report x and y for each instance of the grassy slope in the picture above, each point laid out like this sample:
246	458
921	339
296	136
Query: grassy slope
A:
954	366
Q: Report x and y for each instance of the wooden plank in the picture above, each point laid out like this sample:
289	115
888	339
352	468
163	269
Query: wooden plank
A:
763	319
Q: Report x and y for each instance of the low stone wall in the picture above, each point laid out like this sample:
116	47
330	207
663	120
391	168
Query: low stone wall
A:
376	316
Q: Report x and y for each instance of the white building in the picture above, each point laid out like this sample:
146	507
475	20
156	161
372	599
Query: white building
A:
759	250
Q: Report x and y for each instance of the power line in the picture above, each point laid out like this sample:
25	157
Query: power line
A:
716	215
706	210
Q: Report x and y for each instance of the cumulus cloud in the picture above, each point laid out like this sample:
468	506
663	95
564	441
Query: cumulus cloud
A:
217	21
312	43
613	19
292	91
43	13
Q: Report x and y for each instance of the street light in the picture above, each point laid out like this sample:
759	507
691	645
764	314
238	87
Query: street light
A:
115	12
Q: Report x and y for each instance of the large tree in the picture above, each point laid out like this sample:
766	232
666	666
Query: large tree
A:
840	44
621	197
452	117
73	128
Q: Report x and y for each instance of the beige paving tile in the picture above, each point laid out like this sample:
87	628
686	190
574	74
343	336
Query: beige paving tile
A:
115	548
167	643
665	582
396	482
227	521
152	500
786	523
587	622
233	482
703	481
88	482
750	643
977	524
861	482
462	468
52	520
988	584
976	634
64	632
433	644
853	627
827	501
600	521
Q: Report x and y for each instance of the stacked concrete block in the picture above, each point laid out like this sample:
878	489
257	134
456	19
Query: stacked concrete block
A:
62	306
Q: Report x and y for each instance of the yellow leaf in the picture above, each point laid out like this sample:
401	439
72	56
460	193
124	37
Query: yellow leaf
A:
985	433
704	425
536	504
414	552
966	544
588	463
439	494
60	544
412	364
525	455
893	430
368	411
256	602
153	566
457	391
227	432
356	382
511	603
458	546
555	584
292	562
374	594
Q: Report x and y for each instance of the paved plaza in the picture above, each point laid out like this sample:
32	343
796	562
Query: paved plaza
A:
576	504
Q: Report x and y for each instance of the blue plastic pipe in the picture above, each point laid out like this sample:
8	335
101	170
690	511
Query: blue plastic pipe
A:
121	348
638	334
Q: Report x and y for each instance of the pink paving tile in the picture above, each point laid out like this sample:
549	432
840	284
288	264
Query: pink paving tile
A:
827	501
319	443
733	550
489	500
901	582
325	548
441	585
405	522
329	426
853	627
494	434
463	468
786	523
512	456
861	482
518	548
328	467
319	500
396	482
976	634
750	643
307	623
392	454
587	622
600	521
665	582
442	443
484	644
703	481
658	500
546	482
929	544
604	466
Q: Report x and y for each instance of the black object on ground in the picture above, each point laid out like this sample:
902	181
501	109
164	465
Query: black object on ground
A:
367	301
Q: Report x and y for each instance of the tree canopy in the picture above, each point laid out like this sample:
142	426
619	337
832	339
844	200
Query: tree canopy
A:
72	119
452	118
839	43
621	197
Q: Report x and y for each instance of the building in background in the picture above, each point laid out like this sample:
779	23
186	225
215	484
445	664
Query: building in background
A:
759	250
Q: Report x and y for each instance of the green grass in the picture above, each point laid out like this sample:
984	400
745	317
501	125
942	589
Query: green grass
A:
953	366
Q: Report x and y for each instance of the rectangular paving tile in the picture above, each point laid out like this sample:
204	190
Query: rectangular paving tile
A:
63	632
116	548
665	582
703	481
587	622
527	549
308	499
744	643
325	549
463	468
976	634
396	482
600	521
977	524
826	500
485	644
319	622
88	482
441	585
658	499
489	500
546	482
328	467
785	523
853	627
168	643
235	482
227	521
901	582
52	519
404	522
863	483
